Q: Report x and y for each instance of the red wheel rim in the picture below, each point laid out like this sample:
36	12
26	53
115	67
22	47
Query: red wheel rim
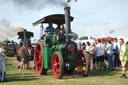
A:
82	64
56	67
38	58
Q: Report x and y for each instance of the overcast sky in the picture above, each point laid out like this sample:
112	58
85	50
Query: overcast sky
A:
94	16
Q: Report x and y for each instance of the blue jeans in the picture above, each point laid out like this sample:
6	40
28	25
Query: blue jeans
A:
110	61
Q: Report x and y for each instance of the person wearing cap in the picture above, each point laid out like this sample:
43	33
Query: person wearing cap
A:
2	65
49	30
123	57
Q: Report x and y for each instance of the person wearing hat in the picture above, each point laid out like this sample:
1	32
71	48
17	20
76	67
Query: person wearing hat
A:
2	65
50	30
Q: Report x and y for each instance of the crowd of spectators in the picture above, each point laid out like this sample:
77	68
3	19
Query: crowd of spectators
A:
106	54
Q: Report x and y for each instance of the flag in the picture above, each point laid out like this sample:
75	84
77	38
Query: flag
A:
112	31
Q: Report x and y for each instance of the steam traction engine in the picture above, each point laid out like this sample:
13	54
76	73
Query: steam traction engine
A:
57	51
10	48
25	37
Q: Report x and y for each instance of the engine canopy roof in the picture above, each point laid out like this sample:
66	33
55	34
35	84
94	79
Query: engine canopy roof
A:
54	18
28	34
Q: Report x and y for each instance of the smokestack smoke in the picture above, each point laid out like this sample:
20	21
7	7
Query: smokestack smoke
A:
38	4
7	31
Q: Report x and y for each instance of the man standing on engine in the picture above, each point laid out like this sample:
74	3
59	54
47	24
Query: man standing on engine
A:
50	30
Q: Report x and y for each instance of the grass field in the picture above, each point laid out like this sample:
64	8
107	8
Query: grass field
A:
16	77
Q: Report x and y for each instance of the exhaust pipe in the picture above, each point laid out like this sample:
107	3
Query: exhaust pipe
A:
25	36
67	23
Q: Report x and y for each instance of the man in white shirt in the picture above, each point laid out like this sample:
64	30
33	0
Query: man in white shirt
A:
99	52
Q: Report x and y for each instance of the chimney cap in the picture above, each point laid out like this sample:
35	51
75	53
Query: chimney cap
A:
67	8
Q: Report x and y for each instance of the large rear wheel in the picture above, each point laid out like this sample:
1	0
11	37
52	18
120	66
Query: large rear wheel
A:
57	64
83	63
39	62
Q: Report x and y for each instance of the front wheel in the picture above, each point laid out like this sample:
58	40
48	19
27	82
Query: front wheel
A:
39	62
83	63
57	64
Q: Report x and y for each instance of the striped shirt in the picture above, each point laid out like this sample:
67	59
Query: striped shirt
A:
50	30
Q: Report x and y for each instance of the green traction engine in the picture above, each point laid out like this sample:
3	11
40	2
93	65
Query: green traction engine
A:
58	51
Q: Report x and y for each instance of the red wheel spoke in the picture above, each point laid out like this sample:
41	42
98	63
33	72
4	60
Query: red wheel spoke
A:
40	56
39	62
57	63
58	70
38	51
40	59
36	63
84	63
55	67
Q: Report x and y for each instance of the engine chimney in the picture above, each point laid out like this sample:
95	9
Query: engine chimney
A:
67	23
25	36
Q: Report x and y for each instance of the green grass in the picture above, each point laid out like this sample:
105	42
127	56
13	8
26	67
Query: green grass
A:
16	77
